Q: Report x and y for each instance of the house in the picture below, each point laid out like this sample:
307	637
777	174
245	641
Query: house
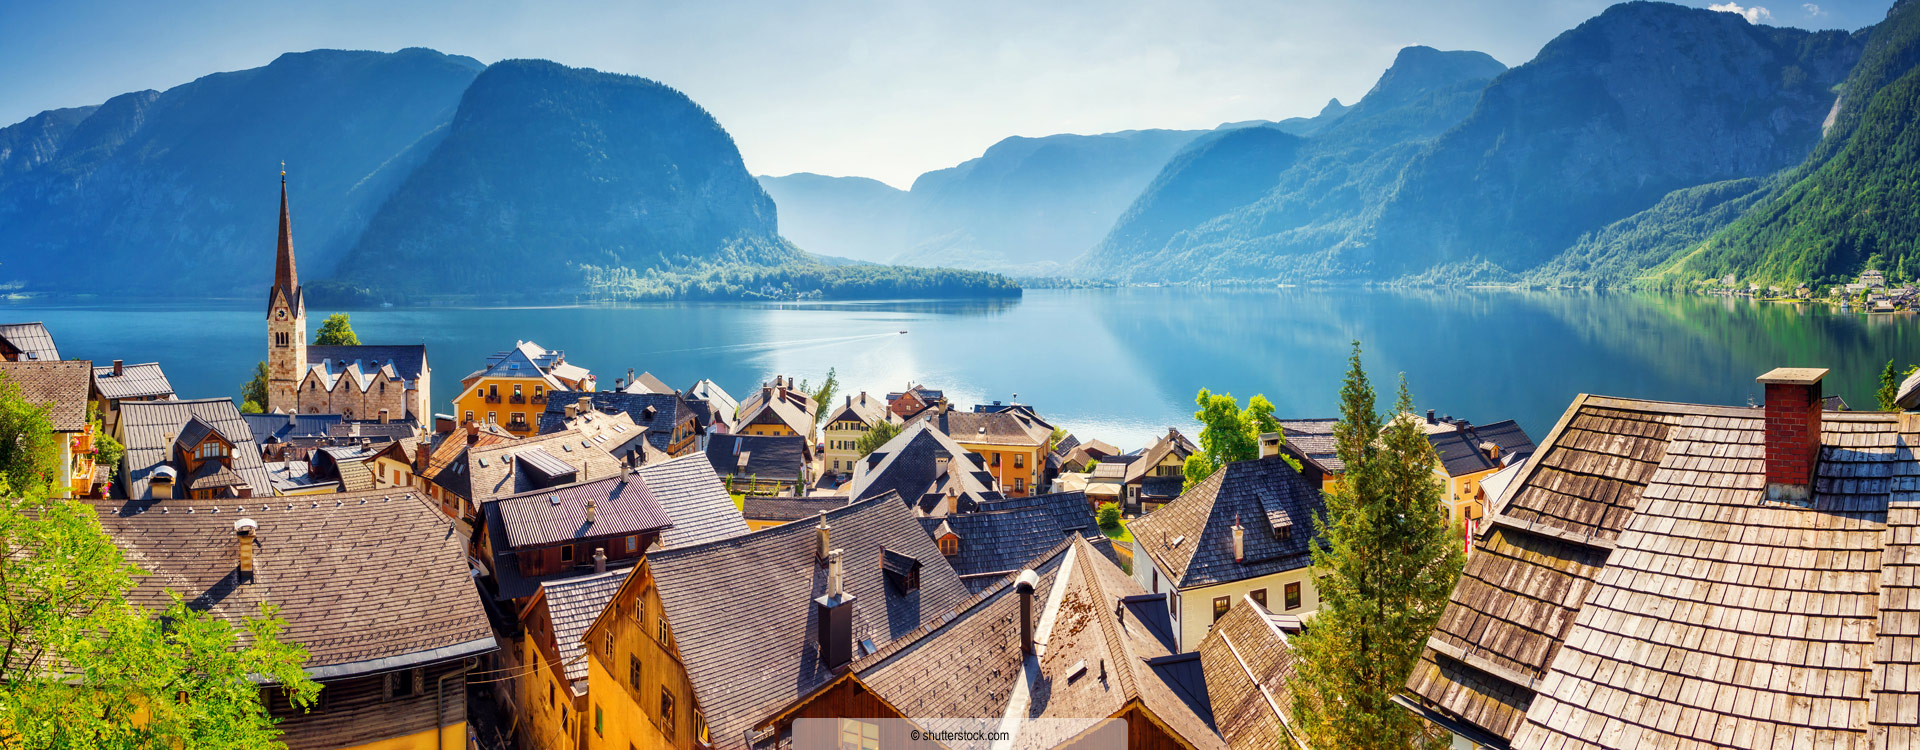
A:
1243	531
511	390
1068	652
27	342
563	531
492	472
613	431
550	686
989	544
1873	279
193	449
926	468
1682	575
714	408
844	428
1014	443
643	383
908	403
1248	663
1107	483
764	512
762	464
670	654
374	585
1469	453
289	437
123	382
366	382
1155	478
1078	456
1310	441
452	451
348	465
63	388
669	419
778	408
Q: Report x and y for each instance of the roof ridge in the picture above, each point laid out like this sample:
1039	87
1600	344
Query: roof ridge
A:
770	532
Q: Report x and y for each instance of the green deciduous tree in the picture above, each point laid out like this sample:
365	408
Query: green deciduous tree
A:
1387	562
337	330
1228	433
253	395
823	398
29	448
875	436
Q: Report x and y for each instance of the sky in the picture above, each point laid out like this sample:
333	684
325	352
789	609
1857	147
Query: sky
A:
882	90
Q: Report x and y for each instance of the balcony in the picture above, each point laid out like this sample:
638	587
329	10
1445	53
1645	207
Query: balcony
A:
539	398
83	443
492	398
516	399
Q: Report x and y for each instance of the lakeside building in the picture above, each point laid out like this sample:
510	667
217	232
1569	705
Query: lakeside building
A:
928	470
64	389
778	408
668	422
1469	453
192	449
908	403
363	382
1014	443
844	428
511	389
27	342
1155	477
119	382
1673	575
998	538
758	465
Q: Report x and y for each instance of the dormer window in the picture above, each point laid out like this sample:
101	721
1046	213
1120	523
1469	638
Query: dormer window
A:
949	545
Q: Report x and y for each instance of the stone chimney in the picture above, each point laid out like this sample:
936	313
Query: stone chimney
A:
1239	540
584	405
1269	444
824	534
117	367
1793	431
571	411
593	511
599	559
1024	586
833	613
243	531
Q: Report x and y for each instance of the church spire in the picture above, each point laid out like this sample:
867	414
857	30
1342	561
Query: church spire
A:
286	278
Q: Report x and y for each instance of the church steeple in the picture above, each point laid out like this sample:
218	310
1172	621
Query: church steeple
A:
286	277
286	321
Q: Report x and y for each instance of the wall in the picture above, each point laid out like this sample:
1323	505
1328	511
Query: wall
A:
355	713
837	454
1193	615
631	715
1029	473
533	393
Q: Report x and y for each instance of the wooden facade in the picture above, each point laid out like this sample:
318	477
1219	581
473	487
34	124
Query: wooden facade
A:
392	711
636	682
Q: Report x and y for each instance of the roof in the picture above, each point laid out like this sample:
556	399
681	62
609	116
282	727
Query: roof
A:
292	476
711	392
526	360
150	428
1908	397
862	408
910	465
1172	443
998	542
622	506
61	386
1312	439
491	472
572	605
646	383
33	341
742	608
1461	450
281	428
367	582
657	413
349	462
1639	538
1011	428
1070	510
780	403
1248	665
144	380
378	432
781	458
407	360
785	509
453	447
695	500
1191	538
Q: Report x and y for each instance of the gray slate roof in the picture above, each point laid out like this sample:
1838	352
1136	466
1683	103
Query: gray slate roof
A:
742	608
1313	440
695	500
908	466
779	458
997	542
785	509
144	380
272	428
408	360
1460	452
151	426
621	506
491	471
1192	537
572	605
32	339
668	410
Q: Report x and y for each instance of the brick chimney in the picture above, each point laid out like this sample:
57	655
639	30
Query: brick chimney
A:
473	433
117	365
1793	431
1024	586
833	613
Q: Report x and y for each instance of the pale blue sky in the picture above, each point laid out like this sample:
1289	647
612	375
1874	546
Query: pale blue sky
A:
885	90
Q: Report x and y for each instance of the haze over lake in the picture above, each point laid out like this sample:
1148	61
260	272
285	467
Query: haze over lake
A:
1116	364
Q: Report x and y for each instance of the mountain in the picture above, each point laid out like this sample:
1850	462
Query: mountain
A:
163	192
548	172
1264	203
1610	117
849	217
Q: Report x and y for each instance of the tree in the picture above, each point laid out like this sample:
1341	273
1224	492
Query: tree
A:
29	448
335	331
875	436
823	398
1229	433
1387	562
1890	379
81	666
253	395
1108	516
1059	434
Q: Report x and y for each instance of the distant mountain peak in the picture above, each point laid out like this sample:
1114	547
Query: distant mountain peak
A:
1419	69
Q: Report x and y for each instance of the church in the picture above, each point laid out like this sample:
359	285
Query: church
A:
370	383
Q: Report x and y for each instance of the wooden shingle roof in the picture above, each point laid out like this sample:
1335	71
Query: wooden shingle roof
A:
61	387
151	427
1639	589
32	340
144	380
1191	538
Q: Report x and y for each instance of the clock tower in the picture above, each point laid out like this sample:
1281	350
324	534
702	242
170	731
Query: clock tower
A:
286	321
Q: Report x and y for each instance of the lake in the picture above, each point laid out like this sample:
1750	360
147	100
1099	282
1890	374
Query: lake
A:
1120	365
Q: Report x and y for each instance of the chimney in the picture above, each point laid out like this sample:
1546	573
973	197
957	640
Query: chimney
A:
1793	431
584	404
599	559
572	411
243	534
592	511
833	613
1028	579
629	376
824	533
293	419
1269	444
473	433
245	490
1430	416
1239	540
117	367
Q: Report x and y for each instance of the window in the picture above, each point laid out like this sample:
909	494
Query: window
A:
493	416
665	634
402	684
633	671
640	609
666	712
1220	606
549	695
700	729
859	735
1260	597
563	717
606	644
1156	580
996	459
1293	596
566	554
469	416
1019	484
516	389
633	542
1019	460
949	546
598	726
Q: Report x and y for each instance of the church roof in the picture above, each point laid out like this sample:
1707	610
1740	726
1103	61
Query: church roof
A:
286	278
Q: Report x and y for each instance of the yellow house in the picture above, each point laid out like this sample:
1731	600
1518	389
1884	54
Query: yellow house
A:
1469	453
550	691
778	409
511	390
846	425
1241	533
1013	441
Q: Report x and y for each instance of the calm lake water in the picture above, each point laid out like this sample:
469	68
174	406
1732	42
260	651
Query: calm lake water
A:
1120	365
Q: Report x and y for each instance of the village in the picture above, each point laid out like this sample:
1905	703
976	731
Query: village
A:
1869	293
551	564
